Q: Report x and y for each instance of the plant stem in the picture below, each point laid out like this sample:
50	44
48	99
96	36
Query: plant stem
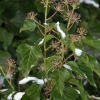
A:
93	97
46	9
38	23
68	25
69	57
52	15
62	56
6	78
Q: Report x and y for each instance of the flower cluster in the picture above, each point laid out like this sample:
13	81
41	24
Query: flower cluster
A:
73	16
11	65
31	15
82	31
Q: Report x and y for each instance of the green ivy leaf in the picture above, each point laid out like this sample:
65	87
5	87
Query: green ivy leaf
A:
88	72
49	37
92	41
70	94
75	68
91	62
34	92
6	38
60	75
80	88
28	25
25	97
30	55
55	95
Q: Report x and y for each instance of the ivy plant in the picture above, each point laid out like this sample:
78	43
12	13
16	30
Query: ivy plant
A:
53	63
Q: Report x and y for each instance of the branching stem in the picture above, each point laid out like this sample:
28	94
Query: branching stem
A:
6	78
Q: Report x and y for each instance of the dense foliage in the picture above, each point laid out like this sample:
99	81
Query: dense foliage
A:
49	50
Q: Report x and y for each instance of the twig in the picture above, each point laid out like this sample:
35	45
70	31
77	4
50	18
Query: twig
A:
94	97
52	15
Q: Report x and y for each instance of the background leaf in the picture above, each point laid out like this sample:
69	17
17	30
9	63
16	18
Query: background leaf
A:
6	38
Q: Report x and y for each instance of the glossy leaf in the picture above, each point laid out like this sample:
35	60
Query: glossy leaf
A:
34	92
88	73
60	76
28	25
30	55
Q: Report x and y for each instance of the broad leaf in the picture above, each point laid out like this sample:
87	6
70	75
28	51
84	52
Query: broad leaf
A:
60	75
6	38
30	56
28	25
75	68
91	62
70	94
88	73
34	92
55	95
25	97
80	88
92	41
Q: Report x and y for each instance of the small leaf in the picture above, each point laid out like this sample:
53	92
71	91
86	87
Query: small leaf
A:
30	56
88	72
49	37
34	92
28	25
60	76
